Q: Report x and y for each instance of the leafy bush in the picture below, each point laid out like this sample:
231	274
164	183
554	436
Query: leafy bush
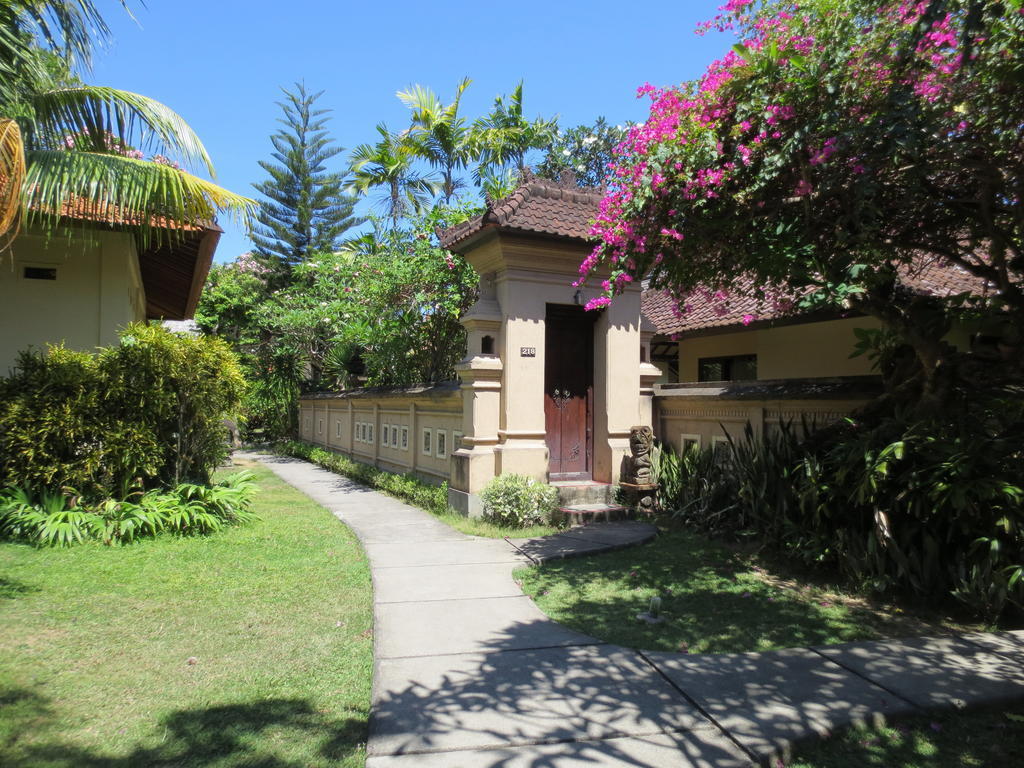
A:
54	519
518	501
930	508
143	414
407	487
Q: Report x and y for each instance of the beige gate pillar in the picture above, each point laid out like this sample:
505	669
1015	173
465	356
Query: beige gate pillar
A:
527	248
474	462
649	373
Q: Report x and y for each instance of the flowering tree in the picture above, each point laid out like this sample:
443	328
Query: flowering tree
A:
840	143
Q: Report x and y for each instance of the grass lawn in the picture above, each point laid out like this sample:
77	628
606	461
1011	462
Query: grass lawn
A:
714	600
948	740
477	527
250	647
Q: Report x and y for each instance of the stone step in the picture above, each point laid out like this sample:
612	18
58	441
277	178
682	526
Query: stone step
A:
581	514
584	492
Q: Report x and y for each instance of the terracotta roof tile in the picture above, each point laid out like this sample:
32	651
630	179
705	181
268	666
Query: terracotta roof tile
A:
929	276
540	206
563	210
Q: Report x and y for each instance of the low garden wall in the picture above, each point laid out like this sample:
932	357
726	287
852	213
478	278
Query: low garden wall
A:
704	412
412	429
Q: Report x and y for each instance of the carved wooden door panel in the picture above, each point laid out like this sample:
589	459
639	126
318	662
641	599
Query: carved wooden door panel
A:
568	392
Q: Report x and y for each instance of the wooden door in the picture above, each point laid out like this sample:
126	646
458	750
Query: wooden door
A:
568	391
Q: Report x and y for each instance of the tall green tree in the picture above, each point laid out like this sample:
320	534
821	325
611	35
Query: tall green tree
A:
586	150
440	135
63	142
389	165
304	209
505	135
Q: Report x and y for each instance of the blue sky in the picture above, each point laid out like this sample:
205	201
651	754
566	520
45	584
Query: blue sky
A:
221	63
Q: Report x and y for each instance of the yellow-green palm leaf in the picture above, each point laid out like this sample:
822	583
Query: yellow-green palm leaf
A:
110	187
12	176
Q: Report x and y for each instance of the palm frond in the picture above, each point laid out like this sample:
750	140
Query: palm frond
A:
12	177
117	189
97	112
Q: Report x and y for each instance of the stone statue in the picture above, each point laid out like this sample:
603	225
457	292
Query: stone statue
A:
641	441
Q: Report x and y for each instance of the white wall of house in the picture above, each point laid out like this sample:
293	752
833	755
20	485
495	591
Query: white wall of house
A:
96	290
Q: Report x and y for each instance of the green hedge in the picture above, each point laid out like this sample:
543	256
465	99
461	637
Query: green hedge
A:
928	508
407	487
143	414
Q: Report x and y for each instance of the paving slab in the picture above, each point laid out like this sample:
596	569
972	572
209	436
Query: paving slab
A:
769	701
520	697
623	534
467	626
1009	644
443	582
695	749
557	547
456	552
387	531
934	673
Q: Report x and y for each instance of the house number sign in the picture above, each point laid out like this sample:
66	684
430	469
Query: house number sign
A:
527	351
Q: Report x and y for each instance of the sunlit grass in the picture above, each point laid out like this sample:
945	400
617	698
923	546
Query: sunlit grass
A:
251	646
713	600
478	527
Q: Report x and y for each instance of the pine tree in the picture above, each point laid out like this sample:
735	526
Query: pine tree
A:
305	210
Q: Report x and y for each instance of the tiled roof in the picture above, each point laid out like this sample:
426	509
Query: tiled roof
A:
930	276
539	206
83	209
563	210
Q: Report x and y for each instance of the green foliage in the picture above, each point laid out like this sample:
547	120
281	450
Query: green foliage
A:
518	501
826	162
389	166
586	150
304	210
931	509
145	413
408	487
53	519
505	135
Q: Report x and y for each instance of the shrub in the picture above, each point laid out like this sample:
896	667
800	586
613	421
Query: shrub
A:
931	508
54	519
407	487
518	501
145	413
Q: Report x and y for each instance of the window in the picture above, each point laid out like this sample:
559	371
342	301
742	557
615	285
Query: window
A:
319	426
405	438
735	368
689	442
428	441
442	444
369	433
337	428
394	436
385	435
721	449
40	273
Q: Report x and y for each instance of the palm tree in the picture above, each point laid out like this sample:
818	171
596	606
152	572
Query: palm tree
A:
505	136
439	135
65	145
389	164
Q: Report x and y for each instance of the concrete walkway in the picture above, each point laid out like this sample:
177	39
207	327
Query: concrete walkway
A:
470	674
